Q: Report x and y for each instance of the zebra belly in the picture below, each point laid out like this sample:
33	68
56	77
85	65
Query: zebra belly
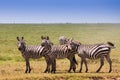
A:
33	55
61	56
84	55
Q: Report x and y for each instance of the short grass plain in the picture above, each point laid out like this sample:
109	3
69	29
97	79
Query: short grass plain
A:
12	65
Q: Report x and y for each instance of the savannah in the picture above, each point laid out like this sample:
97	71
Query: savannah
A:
12	64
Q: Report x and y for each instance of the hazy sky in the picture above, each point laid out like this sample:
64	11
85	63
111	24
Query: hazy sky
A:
59	11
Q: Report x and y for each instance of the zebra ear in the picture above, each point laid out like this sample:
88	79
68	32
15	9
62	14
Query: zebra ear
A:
42	37
47	37
22	38
67	39
18	38
71	39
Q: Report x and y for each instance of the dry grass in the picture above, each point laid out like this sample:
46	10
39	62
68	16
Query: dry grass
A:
15	71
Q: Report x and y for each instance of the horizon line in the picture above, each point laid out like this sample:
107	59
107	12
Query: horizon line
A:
65	23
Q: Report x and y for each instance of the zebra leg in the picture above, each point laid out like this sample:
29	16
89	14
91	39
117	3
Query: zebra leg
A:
53	66
52	62
48	65
71	63
74	63
70	67
74	67
109	61
27	66
81	65
101	63
85	62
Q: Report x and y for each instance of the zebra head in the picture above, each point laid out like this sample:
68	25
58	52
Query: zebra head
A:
21	44
63	40
74	45
46	42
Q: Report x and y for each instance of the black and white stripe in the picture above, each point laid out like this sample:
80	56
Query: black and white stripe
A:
34	52
95	51
64	40
31	52
61	52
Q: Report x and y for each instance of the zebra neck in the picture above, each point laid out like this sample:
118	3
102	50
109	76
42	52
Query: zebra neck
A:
75	49
23	50
46	50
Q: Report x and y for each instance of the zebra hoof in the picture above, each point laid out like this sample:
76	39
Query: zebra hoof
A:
29	70
69	71
110	71
86	71
53	71
74	69
45	71
48	71
97	71
80	71
26	71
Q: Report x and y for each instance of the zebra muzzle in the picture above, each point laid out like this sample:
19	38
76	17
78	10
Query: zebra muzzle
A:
19	48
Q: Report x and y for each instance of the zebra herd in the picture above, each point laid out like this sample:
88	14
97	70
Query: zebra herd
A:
67	49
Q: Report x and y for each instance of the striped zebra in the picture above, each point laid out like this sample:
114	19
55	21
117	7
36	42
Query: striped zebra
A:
95	51
64	40
32	52
61	52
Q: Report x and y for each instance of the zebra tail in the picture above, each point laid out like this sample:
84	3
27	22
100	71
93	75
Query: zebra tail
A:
111	45
75	60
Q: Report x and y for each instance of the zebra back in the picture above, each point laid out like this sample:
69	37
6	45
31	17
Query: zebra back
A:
34	52
94	51
60	52
63	51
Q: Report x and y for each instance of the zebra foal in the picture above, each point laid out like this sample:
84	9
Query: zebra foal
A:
33	52
95	51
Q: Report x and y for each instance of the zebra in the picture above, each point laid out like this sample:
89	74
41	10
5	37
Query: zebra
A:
64	40
31	52
46	42
61	52
95	51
